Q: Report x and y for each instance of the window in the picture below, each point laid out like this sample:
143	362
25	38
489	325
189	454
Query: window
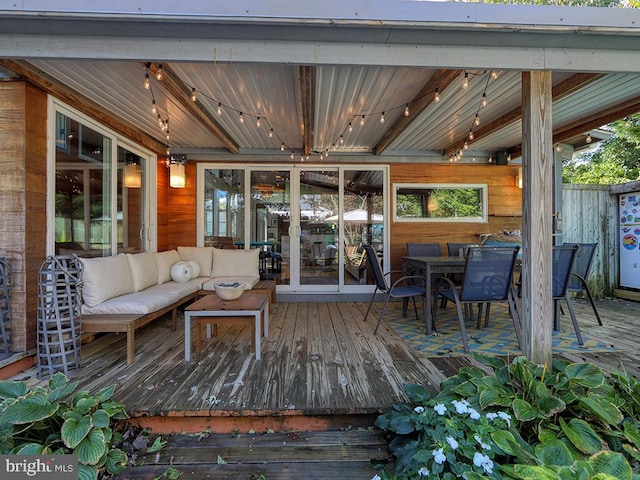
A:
424	202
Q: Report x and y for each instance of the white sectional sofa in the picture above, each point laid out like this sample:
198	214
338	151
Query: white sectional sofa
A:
124	292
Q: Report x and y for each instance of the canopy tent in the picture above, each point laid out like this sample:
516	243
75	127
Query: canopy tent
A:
357	216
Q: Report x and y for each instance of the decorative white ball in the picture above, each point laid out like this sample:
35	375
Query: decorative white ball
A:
181	272
195	268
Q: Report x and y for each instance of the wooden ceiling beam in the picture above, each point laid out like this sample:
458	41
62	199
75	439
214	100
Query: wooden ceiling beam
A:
308	96
564	88
176	88
83	104
441	79
585	124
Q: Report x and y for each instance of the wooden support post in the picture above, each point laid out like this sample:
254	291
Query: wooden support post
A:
537	210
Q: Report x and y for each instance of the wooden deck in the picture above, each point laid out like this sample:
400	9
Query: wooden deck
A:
322	367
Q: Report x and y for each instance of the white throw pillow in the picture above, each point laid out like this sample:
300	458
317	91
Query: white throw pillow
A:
181	272
202	255
165	261
144	270
195	268
227	262
104	278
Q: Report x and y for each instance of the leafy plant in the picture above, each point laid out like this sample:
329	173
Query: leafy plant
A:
575	422
59	420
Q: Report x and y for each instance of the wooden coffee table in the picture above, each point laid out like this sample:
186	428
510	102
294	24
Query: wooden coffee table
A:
253	306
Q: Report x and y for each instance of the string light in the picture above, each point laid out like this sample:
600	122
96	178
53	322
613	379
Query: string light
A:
258	122
471	134
406	110
476	120
271	133
382	118
194	96
465	81
362	121
159	73
436	96
282	147
588	139
147	81
341	140
484	99
350	127
154	108
219	109
241	118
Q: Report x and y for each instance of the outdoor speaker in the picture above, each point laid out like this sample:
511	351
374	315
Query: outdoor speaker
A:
501	157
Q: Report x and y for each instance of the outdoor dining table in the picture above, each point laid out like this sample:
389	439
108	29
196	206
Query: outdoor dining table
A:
429	265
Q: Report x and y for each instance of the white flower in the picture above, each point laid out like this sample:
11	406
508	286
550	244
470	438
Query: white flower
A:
440	409
452	442
481	460
461	406
439	456
424	472
419	409
473	414
376	477
506	417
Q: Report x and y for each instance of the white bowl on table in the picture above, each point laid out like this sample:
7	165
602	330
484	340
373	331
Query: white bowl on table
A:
229	291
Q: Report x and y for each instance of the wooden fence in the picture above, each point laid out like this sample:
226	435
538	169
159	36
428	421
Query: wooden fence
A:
590	214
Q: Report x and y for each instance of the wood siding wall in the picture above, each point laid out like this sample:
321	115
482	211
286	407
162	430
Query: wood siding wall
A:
162	213
23	148
181	211
505	205
589	214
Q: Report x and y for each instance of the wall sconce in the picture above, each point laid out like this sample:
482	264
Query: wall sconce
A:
177	171
518	177
132	175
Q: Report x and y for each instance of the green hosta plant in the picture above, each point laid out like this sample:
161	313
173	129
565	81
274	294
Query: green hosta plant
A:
59	420
434	439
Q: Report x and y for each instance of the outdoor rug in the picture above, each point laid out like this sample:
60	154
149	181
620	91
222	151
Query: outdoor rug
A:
499	339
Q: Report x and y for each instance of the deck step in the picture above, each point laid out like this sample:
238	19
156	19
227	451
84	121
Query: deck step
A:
309	455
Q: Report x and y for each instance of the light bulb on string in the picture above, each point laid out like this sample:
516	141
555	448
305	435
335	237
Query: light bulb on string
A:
159	73
258	122
292	155
219	109
470	134
588	139
436	96
494	74
476	120
241	118
406	110
350	127
362	121
271	133
466	145
154	108
465	81
382	118
484	99
341	139
194	96
282	147
147	81
160	121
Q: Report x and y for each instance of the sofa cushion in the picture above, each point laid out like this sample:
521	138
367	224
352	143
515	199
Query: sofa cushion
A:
202	255
144	270
104	278
165	261
228	263
181	272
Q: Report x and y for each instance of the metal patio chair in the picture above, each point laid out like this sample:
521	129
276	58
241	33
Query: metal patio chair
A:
487	278
403	287
580	273
563	260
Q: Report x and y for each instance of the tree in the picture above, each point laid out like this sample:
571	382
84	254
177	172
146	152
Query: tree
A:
616	160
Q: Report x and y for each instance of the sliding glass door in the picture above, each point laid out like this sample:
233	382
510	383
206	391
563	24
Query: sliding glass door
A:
310	224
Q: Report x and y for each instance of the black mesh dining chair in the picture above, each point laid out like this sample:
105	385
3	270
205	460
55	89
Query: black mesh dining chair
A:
563	259
403	287
487	278
580	273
